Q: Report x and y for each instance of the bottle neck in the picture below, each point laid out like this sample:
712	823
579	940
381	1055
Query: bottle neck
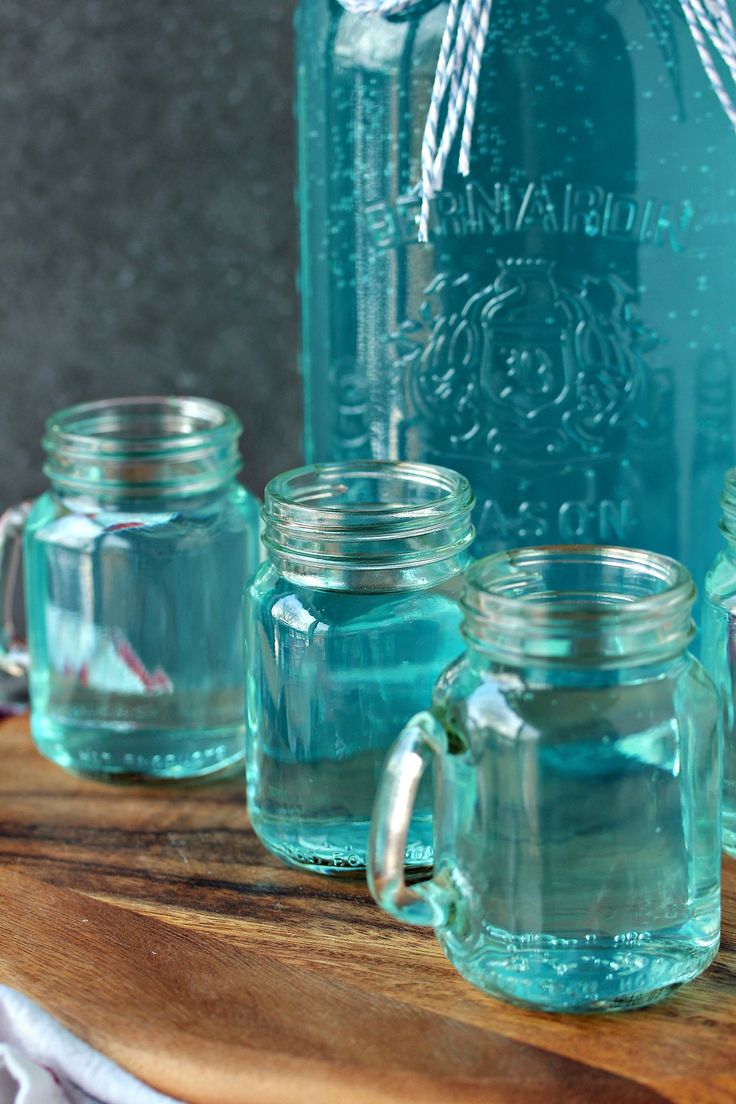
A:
370	526
142	450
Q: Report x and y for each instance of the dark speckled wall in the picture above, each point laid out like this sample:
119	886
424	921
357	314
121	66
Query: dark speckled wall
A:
147	229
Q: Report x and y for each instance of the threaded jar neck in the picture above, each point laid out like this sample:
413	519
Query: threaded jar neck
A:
371	525
580	605
142	447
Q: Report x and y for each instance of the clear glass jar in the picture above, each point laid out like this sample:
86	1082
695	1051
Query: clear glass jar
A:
719	649
135	560
576	754
566	336
348	624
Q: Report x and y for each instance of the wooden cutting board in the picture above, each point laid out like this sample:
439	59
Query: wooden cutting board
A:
151	922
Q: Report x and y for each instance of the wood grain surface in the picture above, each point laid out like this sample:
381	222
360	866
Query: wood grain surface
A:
152	923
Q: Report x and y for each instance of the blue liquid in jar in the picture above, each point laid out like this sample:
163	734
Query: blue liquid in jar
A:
587	875
568	330
135	636
332	676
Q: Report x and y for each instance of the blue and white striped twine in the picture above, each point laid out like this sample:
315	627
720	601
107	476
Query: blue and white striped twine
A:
458	74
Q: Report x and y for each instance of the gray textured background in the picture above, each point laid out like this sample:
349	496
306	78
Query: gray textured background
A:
147	228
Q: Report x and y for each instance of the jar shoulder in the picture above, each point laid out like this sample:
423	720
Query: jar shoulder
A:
589	39
71	520
481	703
297	609
45	509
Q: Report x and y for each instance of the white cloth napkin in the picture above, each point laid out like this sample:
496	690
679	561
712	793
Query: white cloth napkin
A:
43	1063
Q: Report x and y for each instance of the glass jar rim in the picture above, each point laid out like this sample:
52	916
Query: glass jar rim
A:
120	426
142	445
368	524
509	606
307	495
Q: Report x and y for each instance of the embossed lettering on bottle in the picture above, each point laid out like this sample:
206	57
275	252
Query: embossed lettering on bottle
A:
535	382
545	340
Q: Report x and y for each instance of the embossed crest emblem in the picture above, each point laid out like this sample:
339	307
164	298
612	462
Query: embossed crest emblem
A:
529	365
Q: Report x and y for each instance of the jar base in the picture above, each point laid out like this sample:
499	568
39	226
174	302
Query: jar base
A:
580	976
135	756
333	848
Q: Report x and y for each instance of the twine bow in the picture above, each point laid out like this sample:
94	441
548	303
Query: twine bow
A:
458	73
713	31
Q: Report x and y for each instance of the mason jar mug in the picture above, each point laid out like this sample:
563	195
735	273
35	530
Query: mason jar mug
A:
135	559
576	757
348	624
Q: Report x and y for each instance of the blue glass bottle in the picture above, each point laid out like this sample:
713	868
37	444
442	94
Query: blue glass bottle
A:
719	649
348	625
549	338
576	754
135	559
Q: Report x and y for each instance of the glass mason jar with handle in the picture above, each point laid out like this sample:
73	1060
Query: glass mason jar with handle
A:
135	559
348	625
556	337
575	750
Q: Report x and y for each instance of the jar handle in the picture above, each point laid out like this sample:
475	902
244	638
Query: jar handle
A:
422	742
13	650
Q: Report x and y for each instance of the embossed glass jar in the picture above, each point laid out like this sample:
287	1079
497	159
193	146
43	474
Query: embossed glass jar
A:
135	560
348	625
566	337
576	754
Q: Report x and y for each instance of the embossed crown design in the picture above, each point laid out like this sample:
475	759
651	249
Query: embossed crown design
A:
530	364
